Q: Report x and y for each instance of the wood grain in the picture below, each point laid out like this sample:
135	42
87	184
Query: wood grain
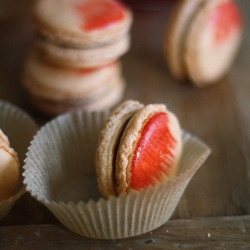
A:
198	233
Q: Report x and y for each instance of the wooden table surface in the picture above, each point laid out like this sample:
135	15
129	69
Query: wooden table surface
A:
214	212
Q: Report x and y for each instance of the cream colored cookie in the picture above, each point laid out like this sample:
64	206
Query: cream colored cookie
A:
212	41
99	101
80	57
9	171
139	146
203	39
129	141
88	23
175	35
108	144
56	82
4	138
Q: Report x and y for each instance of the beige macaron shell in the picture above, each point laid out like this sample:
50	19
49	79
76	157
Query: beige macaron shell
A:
4	138
59	21
74	57
9	171
57	82
204	62
82	98
129	140
100	102
108	144
175	33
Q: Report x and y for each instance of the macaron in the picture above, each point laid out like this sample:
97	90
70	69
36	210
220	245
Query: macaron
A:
178	24
4	138
80	57
9	171
139	146
202	40
64	88
84	23
100	101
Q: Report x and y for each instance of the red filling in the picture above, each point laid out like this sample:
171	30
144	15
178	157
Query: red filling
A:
226	19
78	71
82	71
152	156
100	14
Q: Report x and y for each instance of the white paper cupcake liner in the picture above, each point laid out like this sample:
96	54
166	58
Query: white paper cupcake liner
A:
60	173
20	129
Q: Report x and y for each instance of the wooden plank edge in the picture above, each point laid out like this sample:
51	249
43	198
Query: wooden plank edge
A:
195	233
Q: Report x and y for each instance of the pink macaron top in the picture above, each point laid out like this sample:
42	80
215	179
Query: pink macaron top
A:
226	19
82	22
99	14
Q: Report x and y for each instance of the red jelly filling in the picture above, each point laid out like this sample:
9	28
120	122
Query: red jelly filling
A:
226	19
152	156
82	71
78	71
100	14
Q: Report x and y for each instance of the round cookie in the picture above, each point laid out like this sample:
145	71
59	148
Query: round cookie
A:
78	57
108	144
53	88
58	82
202	40
138	147
149	150
213	41
87	23
176	31
4	138
100	101
9	171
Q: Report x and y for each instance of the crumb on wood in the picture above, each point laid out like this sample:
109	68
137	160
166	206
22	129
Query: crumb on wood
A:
150	241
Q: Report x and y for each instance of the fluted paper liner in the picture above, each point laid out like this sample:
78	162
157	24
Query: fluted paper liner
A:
20	129
59	172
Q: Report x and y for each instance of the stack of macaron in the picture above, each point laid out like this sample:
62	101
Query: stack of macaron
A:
75	62
202	40
9	168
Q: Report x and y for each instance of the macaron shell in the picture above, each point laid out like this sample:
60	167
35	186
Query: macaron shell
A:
108	143
4	138
207	59
57	82
80	57
129	141
103	101
175	34
9	171
81	98
82	22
